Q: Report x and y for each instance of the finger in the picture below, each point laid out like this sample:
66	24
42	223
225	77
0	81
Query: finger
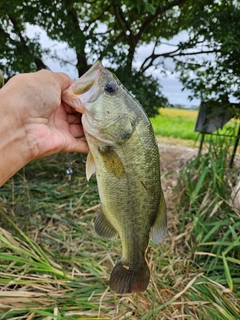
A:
80	146
69	109
76	130
74	118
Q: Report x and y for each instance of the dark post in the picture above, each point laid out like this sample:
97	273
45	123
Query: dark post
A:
235	147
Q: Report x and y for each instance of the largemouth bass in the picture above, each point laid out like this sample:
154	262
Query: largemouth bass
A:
125	156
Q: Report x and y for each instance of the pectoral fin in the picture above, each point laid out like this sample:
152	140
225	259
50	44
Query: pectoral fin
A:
90	166
159	229
112	162
103	227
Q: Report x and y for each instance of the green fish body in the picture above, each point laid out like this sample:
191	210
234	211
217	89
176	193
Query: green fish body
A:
125	156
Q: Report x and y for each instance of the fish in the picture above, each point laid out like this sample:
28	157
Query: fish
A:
124	155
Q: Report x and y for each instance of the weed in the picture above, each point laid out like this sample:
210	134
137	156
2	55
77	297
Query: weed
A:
53	265
206	204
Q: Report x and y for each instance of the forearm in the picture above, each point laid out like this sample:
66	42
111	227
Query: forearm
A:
14	151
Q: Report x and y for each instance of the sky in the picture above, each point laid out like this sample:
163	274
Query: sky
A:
171	86
173	90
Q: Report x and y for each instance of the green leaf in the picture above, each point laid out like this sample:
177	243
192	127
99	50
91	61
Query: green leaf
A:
227	272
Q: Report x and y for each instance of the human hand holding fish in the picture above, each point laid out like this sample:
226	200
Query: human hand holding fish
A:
34	122
124	154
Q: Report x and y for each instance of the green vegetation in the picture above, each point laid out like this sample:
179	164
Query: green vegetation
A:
180	123
205	204
118	32
54	266
1	79
176	127
206	198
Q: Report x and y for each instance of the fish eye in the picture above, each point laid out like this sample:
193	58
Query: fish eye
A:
111	87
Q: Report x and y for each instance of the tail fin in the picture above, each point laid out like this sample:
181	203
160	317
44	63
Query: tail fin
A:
126	280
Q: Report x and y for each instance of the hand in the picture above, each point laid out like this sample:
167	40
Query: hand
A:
34	122
50	125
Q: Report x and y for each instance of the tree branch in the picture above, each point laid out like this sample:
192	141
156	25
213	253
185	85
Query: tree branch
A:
121	20
98	17
159	11
38	61
151	58
130	37
82	65
148	62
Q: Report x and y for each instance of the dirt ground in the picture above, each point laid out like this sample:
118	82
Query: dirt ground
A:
174	154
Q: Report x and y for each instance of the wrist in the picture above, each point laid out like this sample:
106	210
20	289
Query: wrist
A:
14	149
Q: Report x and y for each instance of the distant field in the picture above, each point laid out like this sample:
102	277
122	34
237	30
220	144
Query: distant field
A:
176	123
172	112
180	123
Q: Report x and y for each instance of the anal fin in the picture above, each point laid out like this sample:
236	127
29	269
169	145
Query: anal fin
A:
159	228
103	227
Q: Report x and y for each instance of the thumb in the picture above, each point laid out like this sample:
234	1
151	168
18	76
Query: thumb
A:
63	79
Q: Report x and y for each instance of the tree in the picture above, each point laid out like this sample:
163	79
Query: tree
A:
216	26
17	52
114	30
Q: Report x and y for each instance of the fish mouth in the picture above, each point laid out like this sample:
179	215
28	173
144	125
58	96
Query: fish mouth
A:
85	89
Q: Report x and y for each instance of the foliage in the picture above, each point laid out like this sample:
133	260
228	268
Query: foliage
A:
1	79
93	29
205	202
52	264
215	25
116	30
145	89
19	53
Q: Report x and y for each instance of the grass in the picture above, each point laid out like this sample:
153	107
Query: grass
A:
53	265
176	123
180	123
205	195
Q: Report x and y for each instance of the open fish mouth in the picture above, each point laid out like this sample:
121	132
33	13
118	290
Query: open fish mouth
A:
85	89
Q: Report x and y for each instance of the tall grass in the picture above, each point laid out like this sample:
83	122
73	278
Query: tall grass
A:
205	203
53	265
